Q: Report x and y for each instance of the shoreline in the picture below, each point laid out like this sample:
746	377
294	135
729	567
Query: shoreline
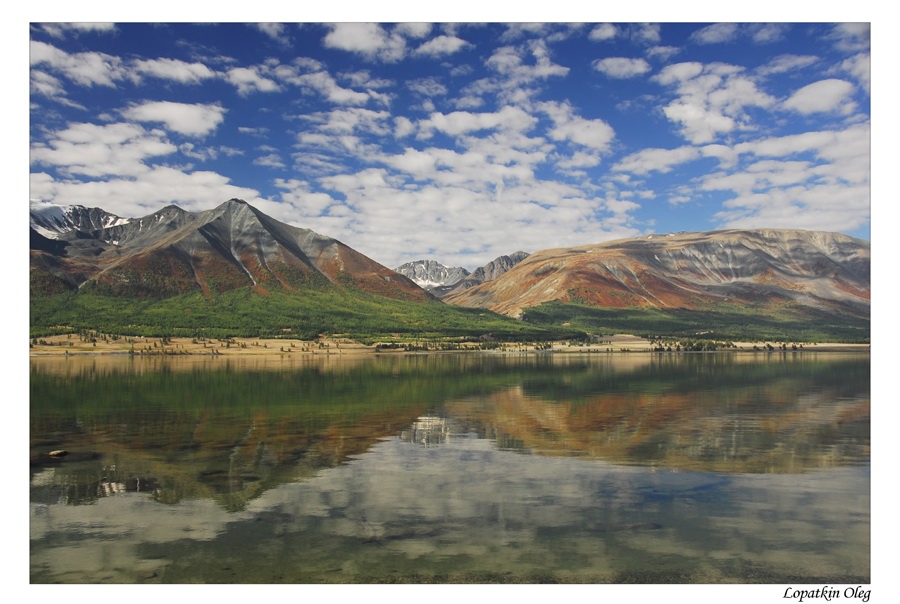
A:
108	345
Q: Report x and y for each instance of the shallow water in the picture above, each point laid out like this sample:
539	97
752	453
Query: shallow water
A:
692	468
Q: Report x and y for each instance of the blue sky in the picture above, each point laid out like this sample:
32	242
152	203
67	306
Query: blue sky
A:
460	142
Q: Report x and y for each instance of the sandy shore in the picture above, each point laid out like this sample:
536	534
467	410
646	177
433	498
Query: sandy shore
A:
140	346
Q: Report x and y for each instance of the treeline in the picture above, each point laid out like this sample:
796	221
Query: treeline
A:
302	315
724	323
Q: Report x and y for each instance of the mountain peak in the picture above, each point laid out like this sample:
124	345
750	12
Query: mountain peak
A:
759	268
430	274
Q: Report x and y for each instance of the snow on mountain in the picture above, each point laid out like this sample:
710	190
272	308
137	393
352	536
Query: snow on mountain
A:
429	274
51	220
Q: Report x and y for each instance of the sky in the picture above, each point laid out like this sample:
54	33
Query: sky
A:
460	142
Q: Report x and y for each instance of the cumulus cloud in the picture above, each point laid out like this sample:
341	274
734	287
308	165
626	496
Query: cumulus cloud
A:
321	82
716	33
144	193
621	67
711	99
567	126
92	150
271	160
656	160
817	179
859	67
645	33
663	53
825	96
414	30
174	70
370	40
786	63
248	80
60	30
767	33
276	31
441	46
459	122
604	31
188	119
429	87
84	68
851	37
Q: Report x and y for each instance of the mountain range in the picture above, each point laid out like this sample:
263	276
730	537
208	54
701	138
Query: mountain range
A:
444	281
173	252
697	271
237	269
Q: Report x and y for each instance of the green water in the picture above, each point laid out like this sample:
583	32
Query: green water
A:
692	468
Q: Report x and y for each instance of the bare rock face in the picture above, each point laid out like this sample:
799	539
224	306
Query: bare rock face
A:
431	275
488	272
173	251
691	271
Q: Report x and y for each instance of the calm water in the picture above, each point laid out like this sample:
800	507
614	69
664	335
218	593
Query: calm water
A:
452	468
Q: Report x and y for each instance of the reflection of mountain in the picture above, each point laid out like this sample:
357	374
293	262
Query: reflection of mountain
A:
184	430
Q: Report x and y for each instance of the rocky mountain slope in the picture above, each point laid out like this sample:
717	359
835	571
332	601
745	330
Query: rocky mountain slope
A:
172	252
430	274
488	272
443	281
760	268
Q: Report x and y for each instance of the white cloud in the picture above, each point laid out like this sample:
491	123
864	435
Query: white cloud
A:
144	193
567	126
403	126
860	67
621	67
825	96
248	80
509	61
814	180
603	32
851	37
716	33
656	160
173	69
767	33
663	53
646	33
276	31
414	30
711	99
324	84
98	151
84	68
442	46
190	120
370	40
459	122
44	84
364	79
785	63
272	160
429	87
59	30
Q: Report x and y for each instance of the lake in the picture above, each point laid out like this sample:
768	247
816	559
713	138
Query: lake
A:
452	468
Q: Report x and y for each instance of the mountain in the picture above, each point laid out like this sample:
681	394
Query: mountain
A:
488	272
229	271
429	274
760	269
174	252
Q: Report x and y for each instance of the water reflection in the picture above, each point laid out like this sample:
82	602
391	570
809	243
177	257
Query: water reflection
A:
675	468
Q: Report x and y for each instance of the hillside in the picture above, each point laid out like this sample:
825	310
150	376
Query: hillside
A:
752	275
231	270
